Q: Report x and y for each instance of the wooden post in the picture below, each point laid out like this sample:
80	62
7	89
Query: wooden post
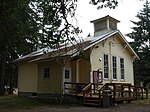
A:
83	96
146	93
100	102
136	93
91	90
64	87
142	92
76	89
114	90
122	91
129	87
94	87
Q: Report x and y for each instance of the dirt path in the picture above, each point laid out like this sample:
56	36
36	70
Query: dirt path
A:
120	108
138	106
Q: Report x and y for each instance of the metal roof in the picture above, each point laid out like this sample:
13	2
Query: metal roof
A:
72	50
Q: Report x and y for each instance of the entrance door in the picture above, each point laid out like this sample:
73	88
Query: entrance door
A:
67	79
97	77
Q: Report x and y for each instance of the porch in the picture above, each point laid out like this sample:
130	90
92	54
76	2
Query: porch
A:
92	94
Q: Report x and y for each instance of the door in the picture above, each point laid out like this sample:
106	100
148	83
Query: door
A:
67	75
97	77
67	78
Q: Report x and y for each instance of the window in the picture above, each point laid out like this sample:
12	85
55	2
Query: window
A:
46	72
66	74
114	63
122	71
106	67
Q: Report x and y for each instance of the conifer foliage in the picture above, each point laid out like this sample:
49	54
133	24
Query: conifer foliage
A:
141	44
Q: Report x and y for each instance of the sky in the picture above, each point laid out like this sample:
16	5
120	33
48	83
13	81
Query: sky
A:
125	12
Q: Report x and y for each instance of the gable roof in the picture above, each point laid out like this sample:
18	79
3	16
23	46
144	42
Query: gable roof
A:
74	50
109	34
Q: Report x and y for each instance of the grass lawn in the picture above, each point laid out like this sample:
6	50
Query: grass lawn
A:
14	103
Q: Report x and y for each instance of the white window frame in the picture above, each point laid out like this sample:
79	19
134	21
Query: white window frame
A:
122	68
114	67
106	67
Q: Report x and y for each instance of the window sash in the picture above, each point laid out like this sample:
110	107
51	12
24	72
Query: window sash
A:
122	70
114	63
46	72
106	66
67	74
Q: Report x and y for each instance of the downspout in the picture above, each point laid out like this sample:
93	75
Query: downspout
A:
110	43
91	73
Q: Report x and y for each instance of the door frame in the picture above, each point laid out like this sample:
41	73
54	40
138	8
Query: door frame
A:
64	79
70	74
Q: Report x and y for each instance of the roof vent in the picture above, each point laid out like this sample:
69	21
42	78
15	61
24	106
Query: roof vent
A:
104	25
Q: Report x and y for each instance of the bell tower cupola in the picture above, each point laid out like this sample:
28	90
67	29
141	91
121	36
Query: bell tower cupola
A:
104	24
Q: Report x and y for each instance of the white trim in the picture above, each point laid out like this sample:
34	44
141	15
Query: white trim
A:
109	35
70	75
120	69
101	39
104	66
116	67
110	62
108	27
128	44
69	79
91	77
91	73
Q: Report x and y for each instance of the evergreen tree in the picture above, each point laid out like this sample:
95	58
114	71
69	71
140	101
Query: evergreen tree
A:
18	31
141	44
26	24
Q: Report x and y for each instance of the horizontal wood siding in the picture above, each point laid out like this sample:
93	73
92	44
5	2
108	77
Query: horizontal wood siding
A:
52	84
119	50
84	71
27	77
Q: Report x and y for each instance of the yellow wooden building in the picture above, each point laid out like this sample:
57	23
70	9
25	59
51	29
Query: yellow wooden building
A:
104	57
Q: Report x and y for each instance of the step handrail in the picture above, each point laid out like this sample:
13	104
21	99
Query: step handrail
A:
86	90
99	89
86	87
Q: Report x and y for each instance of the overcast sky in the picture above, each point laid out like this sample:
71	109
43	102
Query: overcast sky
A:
126	11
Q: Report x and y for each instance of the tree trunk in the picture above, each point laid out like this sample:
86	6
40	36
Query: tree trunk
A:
2	77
